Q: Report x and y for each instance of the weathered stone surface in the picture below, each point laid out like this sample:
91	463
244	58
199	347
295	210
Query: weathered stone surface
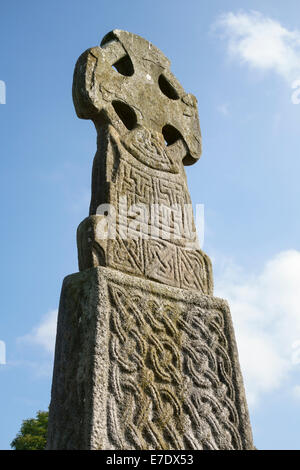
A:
145	356
150	94
147	129
140	365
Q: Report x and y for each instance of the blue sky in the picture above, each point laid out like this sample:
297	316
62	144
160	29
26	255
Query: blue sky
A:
241	64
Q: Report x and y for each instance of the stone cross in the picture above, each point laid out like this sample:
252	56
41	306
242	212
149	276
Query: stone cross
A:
145	355
147	129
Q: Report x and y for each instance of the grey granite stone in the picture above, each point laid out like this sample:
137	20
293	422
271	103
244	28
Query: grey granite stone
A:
148	129
139	365
145	356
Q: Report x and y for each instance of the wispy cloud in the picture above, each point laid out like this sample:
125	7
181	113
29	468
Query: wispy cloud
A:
39	368
261	42
265	311
296	392
223	109
44	333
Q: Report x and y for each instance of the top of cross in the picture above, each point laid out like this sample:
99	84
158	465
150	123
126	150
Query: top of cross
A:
127	83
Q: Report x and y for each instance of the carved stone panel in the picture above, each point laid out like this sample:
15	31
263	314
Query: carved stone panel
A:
162	372
153	233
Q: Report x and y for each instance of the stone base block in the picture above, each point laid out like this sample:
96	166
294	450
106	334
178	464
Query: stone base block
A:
139	365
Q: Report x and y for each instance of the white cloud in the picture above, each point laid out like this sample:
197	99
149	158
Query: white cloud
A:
261	42
265	310
44	333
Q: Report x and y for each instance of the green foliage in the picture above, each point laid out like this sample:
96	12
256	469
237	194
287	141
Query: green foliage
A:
33	433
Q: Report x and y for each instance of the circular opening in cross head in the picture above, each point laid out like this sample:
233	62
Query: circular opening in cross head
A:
171	134
125	113
124	66
166	88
